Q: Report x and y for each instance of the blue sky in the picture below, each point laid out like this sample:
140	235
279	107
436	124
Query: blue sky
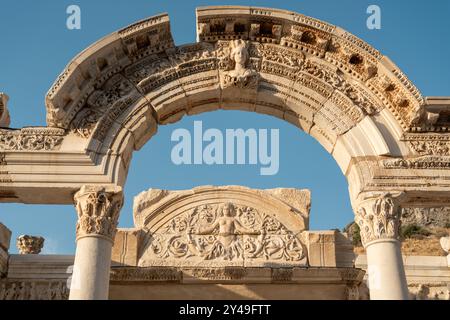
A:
36	45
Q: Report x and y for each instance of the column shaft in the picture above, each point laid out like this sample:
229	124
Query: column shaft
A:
387	280
98	212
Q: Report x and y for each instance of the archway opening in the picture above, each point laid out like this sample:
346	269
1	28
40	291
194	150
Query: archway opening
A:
302	163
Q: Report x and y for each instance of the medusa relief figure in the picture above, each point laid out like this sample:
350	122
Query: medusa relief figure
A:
242	75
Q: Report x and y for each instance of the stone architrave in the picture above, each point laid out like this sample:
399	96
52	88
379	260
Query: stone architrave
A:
445	244
98	211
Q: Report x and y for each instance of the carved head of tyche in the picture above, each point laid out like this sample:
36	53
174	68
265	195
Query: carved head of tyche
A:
239	53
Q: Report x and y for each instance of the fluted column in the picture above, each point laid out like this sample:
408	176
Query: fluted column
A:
98	211
378	216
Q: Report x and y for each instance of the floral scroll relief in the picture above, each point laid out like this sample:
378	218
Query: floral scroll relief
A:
224	233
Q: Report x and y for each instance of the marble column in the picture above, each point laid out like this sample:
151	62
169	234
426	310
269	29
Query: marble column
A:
98	211
378	216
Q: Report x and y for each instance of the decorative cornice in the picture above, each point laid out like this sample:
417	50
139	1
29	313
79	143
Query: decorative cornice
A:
98	211
378	218
427	162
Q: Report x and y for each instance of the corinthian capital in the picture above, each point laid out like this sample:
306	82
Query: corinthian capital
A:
30	244
98	210
378	217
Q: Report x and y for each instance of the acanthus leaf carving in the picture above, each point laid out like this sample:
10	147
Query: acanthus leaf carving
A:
31	139
98	211
378	218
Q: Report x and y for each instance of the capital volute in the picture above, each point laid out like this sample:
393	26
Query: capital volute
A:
378	216
98	209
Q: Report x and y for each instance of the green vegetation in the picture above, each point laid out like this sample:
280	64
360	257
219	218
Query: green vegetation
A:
353	231
413	231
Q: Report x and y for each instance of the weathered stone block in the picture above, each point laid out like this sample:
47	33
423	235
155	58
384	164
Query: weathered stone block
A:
321	248
125	249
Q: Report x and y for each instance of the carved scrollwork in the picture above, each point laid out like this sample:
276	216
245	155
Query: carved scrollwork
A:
378	218
439	148
224	232
5	119
30	244
427	162
98	211
31	139
428	144
115	91
429	291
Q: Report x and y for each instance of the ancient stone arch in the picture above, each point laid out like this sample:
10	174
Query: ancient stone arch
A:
390	142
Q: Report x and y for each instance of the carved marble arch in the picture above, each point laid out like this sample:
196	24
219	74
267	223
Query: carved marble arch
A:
111	98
